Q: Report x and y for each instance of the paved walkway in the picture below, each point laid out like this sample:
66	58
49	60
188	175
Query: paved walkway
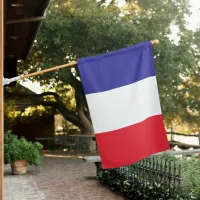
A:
57	179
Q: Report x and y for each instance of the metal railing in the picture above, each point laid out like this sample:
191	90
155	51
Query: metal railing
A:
158	179
173	136
75	144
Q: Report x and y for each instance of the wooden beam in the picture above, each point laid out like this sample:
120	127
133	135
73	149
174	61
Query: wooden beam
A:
25	20
1	96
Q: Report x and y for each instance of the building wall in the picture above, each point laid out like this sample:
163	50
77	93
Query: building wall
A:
31	129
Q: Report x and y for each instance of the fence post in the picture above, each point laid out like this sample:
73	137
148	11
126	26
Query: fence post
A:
199	137
172	134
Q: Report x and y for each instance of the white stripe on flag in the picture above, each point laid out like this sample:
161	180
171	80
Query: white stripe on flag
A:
124	106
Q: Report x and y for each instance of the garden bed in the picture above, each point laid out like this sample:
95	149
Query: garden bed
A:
164	177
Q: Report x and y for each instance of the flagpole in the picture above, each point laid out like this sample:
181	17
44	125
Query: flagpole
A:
8	81
48	70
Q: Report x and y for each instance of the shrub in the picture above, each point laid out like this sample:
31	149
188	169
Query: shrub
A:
133	188
21	149
190	175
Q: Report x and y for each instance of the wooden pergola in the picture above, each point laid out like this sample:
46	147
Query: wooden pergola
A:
20	23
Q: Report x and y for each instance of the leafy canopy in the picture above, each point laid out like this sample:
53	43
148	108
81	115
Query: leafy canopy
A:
75	29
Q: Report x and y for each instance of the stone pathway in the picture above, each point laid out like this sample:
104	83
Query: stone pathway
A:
57	179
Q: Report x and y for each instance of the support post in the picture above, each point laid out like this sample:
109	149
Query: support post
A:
1	95
98	166
172	134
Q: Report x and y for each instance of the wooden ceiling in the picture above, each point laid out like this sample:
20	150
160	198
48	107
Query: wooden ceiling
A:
22	21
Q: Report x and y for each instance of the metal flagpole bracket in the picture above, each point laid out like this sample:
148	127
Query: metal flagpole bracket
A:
153	42
7	81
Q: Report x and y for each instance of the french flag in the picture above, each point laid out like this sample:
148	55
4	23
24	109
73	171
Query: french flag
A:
122	95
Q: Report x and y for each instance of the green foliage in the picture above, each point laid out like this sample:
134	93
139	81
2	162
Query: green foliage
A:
21	149
190	173
75	29
19	107
132	188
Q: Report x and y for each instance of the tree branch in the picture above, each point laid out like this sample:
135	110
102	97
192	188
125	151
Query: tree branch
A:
48	93
18	93
195	58
70	116
46	103
37	99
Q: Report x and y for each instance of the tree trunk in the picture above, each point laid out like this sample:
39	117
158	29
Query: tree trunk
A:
88	127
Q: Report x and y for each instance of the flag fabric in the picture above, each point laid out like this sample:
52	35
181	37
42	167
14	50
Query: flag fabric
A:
122	96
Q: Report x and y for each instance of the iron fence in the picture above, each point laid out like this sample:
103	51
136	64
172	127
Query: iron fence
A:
150	178
75	144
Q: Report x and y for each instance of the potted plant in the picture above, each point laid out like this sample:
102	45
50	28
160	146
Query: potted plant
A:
18	152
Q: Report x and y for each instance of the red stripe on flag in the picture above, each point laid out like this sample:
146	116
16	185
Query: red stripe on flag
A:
130	144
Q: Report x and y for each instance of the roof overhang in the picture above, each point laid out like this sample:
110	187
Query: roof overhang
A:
22	22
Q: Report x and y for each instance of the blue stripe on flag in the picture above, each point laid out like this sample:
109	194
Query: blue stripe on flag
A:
116	69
